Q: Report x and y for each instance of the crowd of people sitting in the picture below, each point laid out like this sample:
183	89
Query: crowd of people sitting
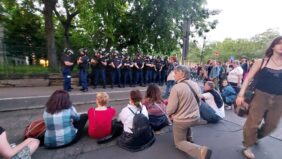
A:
186	105
64	125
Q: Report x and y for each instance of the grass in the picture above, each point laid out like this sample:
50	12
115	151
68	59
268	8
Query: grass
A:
22	70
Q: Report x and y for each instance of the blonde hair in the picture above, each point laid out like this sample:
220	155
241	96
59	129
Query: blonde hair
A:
102	98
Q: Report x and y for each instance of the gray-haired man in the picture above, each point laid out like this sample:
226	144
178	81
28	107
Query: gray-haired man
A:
183	110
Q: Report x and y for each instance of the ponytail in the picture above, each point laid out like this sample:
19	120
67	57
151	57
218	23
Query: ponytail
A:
136	97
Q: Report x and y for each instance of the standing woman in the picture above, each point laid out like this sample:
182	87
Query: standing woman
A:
64	126
266	104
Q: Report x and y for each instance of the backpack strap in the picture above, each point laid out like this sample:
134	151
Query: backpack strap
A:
136	112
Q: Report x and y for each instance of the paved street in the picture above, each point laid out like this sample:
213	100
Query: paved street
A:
223	138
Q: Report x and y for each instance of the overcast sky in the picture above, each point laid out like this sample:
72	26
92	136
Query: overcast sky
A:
245	18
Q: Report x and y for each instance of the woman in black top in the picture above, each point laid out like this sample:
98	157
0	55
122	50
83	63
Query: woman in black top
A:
266	104
21	151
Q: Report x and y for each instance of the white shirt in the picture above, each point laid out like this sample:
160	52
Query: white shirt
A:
235	74
209	99
126	116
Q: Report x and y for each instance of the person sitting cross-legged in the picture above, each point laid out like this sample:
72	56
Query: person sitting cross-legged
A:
64	126
156	107
211	108
101	125
228	94
137	133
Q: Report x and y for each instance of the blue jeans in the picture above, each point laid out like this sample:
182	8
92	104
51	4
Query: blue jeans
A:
208	114
169	85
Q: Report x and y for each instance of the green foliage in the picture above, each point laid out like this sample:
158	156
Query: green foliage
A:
250	48
23	32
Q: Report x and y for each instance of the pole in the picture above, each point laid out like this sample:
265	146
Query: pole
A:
186	33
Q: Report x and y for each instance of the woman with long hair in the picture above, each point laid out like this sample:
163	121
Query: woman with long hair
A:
135	138
64	126
156	107
266	103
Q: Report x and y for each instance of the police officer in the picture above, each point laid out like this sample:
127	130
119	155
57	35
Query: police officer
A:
149	67
116	64
127	70
67	67
82	62
159	67
99	63
139	65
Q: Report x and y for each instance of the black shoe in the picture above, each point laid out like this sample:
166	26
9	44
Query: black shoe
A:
104	87
119	86
70	88
94	87
112	86
84	90
81	89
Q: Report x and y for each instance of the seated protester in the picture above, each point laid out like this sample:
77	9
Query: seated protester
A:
137	132
64	126
100	120
211	109
23	150
228	94
156	107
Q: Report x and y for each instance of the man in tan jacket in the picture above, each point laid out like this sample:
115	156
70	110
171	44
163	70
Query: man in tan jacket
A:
183	110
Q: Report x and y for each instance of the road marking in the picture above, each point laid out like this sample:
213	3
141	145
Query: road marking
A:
74	94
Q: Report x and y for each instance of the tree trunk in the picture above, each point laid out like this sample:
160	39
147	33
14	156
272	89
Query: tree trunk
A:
66	35
49	6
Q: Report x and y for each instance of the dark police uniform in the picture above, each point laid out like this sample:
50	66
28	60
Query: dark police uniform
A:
83	72
116	72
99	70
127	71
149	66
139	71
159	67
66	72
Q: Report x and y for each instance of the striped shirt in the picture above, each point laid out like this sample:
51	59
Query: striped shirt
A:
59	128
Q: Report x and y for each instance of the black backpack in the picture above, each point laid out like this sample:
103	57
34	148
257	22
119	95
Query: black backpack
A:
141	124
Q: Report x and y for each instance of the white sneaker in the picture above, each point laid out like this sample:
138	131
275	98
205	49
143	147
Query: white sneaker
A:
248	153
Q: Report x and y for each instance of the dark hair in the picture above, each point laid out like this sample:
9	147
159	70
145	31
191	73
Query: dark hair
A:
136	96
58	101
154	93
269	50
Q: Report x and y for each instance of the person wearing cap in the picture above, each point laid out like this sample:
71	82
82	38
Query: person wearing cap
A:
67	67
83	69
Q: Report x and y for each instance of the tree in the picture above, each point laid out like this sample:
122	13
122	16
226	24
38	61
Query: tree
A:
49	6
66	17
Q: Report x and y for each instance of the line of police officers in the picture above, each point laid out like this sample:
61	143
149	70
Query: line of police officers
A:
121	68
